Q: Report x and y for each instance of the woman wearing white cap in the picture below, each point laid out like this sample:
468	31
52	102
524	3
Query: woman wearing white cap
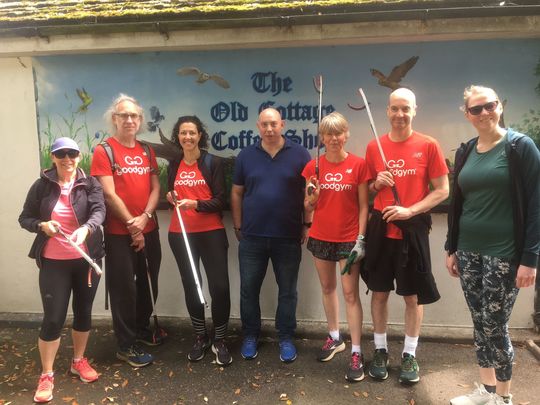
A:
64	198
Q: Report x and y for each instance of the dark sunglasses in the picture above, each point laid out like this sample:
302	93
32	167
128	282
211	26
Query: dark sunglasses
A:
489	107
62	153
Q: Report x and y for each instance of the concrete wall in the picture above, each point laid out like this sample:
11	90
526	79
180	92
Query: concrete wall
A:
19	161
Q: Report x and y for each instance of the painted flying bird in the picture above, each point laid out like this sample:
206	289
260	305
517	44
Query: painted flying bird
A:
157	117
203	77
85	98
398	73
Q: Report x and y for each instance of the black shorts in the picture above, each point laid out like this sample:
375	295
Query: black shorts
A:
390	267
331	251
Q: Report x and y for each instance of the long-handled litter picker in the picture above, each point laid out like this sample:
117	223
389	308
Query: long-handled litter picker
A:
159	333
374	130
90	261
188	249
318	84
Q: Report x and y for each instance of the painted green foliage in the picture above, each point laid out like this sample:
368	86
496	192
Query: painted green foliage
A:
75	126
531	120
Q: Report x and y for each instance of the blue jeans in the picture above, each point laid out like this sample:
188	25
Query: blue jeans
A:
253	255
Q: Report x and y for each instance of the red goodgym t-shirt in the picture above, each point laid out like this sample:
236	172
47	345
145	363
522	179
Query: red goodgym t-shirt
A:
190	183
335	218
132	182
413	163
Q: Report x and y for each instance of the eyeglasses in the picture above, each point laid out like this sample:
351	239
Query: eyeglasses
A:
489	107
125	116
62	153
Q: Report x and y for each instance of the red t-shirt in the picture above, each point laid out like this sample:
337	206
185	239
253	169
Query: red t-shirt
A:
132	182
335	218
413	163
190	183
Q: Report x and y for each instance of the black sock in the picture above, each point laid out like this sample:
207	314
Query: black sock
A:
490	388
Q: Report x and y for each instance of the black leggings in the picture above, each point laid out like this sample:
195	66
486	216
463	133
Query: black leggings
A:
56	280
210	247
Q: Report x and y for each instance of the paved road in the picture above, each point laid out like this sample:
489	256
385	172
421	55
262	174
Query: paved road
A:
446	369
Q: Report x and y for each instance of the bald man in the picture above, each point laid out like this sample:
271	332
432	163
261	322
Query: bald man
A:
267	204
398	230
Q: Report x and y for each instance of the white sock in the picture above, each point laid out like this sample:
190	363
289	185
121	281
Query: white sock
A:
410	344
380	341
76	360
50	374
334	334
356	349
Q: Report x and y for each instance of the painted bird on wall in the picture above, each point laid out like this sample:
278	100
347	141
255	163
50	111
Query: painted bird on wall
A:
392	81
85	98
203	77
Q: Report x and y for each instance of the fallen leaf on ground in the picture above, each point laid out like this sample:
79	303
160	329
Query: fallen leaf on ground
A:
412	401
356	393
125	383
171	373
464	385
303	393
68	399
520	403
237	391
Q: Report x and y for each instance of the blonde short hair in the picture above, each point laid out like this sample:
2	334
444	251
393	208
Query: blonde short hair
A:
334	123
472	90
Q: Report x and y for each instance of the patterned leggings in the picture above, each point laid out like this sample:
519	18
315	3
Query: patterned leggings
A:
489	287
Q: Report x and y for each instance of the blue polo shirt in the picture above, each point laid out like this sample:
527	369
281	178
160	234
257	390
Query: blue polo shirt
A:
273	200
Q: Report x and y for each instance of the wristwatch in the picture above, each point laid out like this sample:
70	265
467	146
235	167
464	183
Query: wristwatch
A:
361	237
307	224
148	214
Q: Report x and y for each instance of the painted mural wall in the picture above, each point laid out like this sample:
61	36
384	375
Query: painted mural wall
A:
227	89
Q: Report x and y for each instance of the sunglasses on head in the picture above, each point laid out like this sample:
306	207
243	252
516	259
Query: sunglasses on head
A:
62	153
489	107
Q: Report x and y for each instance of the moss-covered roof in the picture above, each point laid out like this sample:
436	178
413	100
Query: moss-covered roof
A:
36	14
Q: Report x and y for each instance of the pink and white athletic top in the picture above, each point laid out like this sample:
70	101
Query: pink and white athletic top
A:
58	247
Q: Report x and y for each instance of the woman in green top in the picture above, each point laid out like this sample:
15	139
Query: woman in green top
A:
493	235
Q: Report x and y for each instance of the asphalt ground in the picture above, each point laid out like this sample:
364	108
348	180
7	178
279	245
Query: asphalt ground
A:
447	368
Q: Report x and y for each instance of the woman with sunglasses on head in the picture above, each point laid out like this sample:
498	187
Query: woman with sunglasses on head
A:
493	237
65	199
338	198
197	179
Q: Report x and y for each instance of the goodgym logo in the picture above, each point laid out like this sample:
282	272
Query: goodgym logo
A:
397	168
134	166
333	182
188	179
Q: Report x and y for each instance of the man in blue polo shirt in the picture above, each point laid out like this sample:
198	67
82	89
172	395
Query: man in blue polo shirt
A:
267	208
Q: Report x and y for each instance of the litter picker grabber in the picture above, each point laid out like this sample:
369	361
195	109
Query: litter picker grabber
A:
90	261
318	84
158	332
374	130
188	249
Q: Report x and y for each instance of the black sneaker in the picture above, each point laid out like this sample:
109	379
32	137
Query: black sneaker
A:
330	348
356	368
149	338
223	357
201	345
378	367
134	356
409	370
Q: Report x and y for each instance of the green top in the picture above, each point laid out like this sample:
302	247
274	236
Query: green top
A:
486	223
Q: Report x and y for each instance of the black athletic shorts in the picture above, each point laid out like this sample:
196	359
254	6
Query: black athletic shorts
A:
390	267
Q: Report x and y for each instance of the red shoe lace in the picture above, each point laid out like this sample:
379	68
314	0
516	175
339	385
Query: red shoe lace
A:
355	361
329	342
